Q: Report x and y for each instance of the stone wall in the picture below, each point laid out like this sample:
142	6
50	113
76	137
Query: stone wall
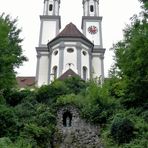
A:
74	132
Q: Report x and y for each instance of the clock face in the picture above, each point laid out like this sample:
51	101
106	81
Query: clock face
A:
92	29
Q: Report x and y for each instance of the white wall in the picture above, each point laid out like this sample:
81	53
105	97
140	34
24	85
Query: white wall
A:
48	32
96	62
86	8
70	58
43	70
56	8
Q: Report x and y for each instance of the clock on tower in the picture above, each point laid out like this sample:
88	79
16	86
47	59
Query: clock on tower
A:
92	29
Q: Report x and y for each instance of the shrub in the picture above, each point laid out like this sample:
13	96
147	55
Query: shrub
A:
15	97
2	99
67	99
44	115
40	135
122	130
8	122
145	116
51	92
75	85
5	142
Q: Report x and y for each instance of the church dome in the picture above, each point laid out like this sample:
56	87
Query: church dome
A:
71	31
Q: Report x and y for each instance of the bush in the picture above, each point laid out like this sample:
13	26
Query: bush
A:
122	130
49	93
38	134
75	85
15	97
44	115
8	122
2	99
5	142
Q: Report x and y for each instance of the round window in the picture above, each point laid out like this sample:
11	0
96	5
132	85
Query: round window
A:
70	50
56	52
84	53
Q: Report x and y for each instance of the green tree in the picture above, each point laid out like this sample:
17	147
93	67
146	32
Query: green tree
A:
131	60
10	51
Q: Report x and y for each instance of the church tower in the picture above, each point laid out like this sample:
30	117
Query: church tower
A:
49	28
91	26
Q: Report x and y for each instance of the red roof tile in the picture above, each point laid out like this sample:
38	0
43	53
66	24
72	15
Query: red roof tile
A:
68	73
24	82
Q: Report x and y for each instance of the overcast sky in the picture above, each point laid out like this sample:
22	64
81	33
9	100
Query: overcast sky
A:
116	14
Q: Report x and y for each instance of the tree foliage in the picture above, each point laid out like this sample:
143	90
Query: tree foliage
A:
131	61
122	130
10	51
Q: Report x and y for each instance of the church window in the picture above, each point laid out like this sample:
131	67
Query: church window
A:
70	50
91	8
55	72
67	119
50	7
84	53
56	52
84	73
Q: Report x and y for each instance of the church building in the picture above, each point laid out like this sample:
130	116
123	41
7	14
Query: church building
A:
69	52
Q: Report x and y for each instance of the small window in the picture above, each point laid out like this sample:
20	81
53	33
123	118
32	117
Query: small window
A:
91	8
56	52
70	50
55	71
85	73
84	53
50	7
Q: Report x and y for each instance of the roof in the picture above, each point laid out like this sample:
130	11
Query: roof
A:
71	31
68	73
24	82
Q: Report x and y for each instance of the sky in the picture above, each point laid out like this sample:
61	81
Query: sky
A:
115	13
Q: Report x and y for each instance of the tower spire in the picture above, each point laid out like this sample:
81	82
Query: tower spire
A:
91	7
51	7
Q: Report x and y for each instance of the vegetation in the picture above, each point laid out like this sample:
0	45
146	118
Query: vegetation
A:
10	51
28	118
30	121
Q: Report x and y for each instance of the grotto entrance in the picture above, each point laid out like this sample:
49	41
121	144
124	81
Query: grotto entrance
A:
67	119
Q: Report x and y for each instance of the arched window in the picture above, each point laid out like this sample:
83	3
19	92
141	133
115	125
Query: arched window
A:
91	8
84	73
55	72
67	119
50	7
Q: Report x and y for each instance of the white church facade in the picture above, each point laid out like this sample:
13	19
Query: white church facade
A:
70	50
